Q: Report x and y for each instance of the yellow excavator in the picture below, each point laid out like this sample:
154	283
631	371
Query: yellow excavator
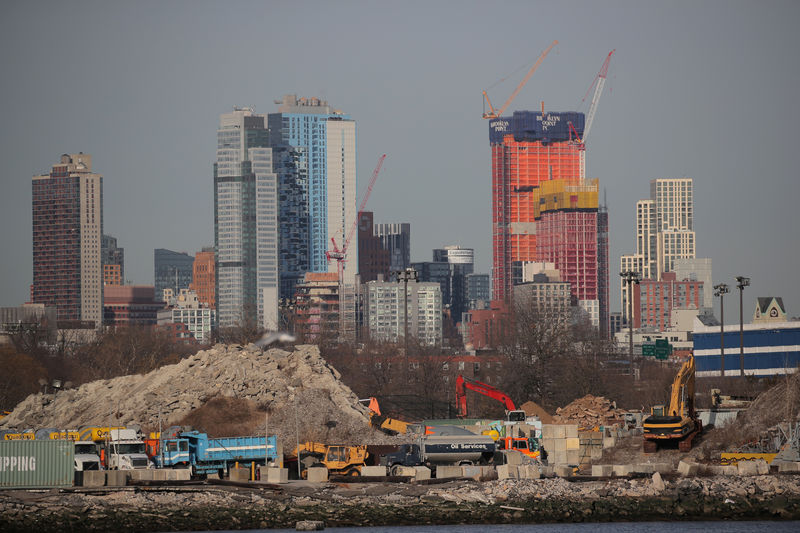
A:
390	426
679	422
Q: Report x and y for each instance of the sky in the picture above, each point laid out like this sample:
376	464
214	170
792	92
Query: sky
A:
700	89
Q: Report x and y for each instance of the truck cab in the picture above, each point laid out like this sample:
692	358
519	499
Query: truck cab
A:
126	451
86	457
175	452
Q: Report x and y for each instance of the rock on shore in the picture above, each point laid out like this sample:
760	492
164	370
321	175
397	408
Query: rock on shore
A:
377	504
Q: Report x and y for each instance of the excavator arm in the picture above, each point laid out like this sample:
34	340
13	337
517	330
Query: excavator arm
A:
463	383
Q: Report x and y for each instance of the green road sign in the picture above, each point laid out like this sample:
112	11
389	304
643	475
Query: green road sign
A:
649	349
661	343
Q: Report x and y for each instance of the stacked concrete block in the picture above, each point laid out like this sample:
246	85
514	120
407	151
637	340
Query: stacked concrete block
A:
507	472
317	474
373	471
688	469
239	474
141	475
621	470
563	470
404	471
645	468
160	474
561	443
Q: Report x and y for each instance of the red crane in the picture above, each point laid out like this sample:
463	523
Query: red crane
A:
341	255
463	383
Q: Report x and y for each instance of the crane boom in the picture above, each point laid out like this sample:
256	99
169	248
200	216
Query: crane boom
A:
463	383
598	91
494	114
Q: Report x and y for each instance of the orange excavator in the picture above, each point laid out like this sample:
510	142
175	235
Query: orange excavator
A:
512	413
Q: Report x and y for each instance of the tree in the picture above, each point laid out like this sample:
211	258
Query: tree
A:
19	378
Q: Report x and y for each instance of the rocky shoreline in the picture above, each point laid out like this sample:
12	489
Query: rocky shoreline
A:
192	508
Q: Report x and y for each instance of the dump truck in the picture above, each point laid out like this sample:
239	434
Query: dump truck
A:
207	455
677	422
339	459
442	450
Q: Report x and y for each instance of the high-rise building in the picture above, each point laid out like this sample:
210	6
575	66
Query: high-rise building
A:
528	148
461	263
396	237
127	305
657	299
664	232
697	269
187	309
373	259
478	291
113	261
172	270
67	240
246	208
387	321
602	271
204	277
291	166
328	138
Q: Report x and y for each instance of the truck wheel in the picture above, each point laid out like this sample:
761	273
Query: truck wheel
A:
353	472
395	470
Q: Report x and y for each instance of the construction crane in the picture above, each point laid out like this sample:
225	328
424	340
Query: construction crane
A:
598	83
340	255
498	113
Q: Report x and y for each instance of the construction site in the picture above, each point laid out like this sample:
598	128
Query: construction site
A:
288	431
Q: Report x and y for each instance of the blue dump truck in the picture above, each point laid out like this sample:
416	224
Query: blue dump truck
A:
205	455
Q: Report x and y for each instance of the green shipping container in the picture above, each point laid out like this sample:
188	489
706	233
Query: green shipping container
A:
33	464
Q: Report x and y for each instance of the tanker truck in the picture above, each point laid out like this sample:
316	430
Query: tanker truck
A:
442	450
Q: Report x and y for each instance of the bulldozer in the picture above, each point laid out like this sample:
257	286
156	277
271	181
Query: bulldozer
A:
340	460
678	422
388	425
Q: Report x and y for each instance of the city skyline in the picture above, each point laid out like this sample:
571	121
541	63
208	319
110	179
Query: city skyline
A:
711	101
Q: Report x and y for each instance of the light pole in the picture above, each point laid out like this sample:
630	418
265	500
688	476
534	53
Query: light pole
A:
742	282
721	290
404	276
630	277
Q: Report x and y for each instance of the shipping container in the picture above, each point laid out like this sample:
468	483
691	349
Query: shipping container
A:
34	464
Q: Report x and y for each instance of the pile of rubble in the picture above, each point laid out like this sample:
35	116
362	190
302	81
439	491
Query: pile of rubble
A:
589	412
303	394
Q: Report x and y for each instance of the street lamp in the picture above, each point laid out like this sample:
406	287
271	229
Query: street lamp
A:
721	290
404	276
630	277
742	282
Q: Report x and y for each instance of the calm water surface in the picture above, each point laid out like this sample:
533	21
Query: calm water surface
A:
603	527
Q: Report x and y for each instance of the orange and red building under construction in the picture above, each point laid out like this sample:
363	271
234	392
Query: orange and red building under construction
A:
542	207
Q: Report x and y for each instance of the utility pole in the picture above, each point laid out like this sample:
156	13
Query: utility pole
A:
721	290
742	282
630	277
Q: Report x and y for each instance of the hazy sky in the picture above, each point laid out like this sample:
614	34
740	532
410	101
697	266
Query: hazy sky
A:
706	90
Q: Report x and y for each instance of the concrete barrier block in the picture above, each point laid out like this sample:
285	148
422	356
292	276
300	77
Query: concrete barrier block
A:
762	467
571	431
663	468
729	470
471	472
94	478
747	468
602	470
371	471
507	472
421	473
528	472
160	474
788	466
645	468
271	474
404	471
559	445
183	474
621	470
573	457
686	468
609	442
548	431
572	443
317	474
239	474
513	457
547	471
563	470
596	452
447	472
140	475
116	478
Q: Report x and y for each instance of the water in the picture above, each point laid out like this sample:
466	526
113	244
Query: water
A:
602	527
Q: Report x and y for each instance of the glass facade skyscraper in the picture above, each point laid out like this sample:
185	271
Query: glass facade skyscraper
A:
172	270
328	139
245	222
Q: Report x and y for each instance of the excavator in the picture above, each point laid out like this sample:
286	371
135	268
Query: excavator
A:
678	423
390	426
512	413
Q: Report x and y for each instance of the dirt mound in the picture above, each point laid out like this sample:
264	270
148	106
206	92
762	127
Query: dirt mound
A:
589	412
534	409
226	389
